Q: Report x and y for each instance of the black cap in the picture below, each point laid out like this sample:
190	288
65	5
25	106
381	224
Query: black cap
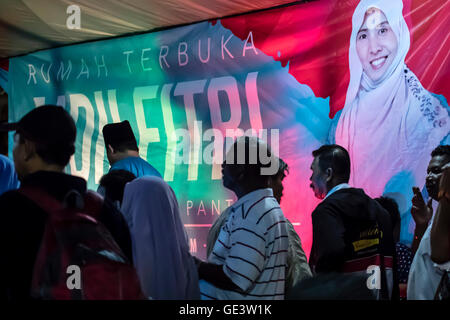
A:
119	133
47	125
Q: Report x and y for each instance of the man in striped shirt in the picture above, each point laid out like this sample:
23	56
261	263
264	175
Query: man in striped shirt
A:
248	260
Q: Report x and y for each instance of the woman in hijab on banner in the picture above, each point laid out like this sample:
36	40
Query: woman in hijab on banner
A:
390	123
160	246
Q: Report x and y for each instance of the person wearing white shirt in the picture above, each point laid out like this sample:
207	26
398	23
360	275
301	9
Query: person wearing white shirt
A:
424	275
248	260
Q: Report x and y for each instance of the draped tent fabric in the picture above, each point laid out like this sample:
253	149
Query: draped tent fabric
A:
30	25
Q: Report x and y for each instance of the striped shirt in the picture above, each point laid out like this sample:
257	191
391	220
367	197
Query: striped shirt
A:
252	248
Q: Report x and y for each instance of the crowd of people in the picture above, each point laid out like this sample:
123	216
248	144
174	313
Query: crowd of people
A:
127	239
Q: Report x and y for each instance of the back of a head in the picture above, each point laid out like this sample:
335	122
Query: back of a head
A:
254	158
276	180
120	136
53	131
159	240
283	168
391	206
335	157
151	200
443	150
114	184
148	191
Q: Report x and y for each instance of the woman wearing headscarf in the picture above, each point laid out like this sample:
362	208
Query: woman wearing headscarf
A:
160	245
390	123
8	176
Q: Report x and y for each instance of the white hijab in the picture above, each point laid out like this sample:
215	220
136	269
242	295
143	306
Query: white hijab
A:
160	246
390	126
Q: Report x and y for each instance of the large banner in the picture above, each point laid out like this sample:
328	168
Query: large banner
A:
286	73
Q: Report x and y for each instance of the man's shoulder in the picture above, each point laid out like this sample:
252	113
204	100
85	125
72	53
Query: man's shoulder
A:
135	160
333	205
149	168
327	205
258	207
126	162
11	197
16	206
136	163
347	195
348	192
349	200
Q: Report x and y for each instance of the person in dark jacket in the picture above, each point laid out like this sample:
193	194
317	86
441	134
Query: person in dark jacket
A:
402	251
352	233
44	141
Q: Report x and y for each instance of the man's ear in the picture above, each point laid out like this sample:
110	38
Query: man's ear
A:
30	149
110	149
240	174
329	173
271	180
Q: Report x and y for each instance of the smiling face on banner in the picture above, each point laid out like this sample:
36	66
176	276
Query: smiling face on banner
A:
376	44
391	120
